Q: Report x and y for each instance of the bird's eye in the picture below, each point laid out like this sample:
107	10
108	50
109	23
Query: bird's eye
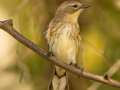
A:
75	6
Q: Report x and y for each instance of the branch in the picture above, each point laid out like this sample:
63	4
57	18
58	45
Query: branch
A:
7	26
114	68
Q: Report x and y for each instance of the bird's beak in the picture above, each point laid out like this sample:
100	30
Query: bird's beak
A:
84	6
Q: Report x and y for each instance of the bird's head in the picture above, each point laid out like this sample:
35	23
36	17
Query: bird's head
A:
70	10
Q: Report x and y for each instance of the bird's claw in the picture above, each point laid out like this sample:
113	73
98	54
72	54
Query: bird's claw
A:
78	67
106	76
49	54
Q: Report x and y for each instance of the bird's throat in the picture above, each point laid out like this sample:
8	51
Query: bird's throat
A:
73	18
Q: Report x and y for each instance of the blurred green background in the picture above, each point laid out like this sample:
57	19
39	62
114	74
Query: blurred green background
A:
22	69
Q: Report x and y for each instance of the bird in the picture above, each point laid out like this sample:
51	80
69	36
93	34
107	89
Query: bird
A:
64	40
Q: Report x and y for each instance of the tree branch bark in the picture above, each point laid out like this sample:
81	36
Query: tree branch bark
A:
112	70
7	26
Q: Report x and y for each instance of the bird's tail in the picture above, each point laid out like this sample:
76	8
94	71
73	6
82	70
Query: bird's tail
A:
59	80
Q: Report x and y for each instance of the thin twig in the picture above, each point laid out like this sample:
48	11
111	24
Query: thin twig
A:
7	26
113	69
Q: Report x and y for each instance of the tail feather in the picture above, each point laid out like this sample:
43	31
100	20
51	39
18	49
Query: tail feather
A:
59	81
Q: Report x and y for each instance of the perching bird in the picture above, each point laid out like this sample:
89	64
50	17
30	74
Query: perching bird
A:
64	40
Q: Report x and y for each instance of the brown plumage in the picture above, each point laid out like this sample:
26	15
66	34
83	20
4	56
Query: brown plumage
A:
63	36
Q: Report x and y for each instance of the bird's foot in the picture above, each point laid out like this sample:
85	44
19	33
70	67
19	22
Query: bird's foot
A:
106	77
49	54
78	67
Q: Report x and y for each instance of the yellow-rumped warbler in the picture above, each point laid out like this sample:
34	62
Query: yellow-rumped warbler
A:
63	36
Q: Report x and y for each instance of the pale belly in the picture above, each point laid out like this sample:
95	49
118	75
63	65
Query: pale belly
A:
64	49
64	44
